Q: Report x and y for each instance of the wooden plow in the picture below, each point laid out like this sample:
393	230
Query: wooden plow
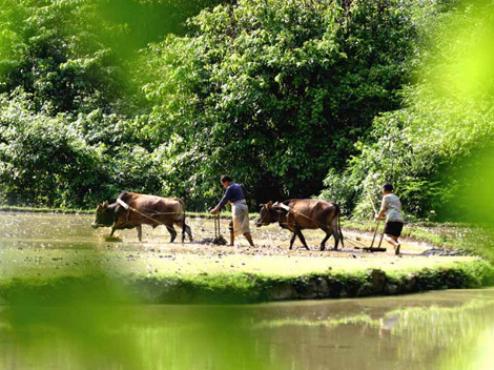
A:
218	238
359	245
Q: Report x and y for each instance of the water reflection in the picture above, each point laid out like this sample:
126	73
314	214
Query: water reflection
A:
437	330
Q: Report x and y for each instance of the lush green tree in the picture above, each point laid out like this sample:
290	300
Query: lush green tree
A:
276	92
71	99
431	148
43	161
56	56
58	162
74	56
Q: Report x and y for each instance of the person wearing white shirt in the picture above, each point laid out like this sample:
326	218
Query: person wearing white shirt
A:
391	212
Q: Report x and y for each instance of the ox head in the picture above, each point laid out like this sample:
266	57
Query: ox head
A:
269	213
105	215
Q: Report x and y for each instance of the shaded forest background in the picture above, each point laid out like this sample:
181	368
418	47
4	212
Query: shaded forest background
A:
292	98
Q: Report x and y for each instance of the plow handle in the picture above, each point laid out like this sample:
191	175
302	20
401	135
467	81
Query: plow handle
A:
374	236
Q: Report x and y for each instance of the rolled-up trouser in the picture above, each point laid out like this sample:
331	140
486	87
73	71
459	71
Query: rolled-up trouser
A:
240	218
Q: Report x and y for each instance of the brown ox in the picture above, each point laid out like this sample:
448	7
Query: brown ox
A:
132	210
299	214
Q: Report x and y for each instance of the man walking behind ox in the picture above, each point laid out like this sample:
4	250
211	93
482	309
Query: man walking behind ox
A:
240	212
391	211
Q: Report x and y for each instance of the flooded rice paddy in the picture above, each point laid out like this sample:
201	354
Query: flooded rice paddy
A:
435	330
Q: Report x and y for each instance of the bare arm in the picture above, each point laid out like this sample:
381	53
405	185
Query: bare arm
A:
381	215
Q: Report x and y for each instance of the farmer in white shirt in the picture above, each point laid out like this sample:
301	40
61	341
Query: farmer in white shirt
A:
391	212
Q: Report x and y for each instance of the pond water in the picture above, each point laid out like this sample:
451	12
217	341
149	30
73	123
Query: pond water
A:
435	330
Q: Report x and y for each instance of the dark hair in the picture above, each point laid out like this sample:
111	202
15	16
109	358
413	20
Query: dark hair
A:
388	187
225	178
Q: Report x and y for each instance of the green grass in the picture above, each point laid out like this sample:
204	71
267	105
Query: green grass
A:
235	278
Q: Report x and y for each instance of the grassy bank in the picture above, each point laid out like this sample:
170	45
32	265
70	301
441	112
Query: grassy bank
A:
245	287
276	278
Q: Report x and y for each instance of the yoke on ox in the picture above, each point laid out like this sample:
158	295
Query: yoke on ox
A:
299	214
132	210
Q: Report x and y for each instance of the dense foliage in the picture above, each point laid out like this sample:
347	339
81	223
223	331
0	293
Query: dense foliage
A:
438	147
276	92
289	97
70	124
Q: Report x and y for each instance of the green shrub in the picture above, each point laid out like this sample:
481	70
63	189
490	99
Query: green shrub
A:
43	161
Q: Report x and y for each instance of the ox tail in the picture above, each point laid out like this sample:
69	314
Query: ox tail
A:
184	227
338	220
184	215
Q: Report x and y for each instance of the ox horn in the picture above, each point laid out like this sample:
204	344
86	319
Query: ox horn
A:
281	206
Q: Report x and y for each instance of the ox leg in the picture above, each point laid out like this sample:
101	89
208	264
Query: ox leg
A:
182	225
185	231
114	228
188	230
173	233
302	239
336	235
323	243
139	232
294	235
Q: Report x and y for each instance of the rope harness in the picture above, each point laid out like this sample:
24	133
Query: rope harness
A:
128	207
290	210
218	238
355	243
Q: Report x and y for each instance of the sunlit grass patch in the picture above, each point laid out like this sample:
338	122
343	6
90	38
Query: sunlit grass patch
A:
274	278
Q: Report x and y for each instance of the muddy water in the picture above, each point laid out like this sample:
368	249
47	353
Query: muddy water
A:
438	330
52	231
58	230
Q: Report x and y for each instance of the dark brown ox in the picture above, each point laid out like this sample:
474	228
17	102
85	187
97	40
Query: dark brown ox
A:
132	210
299	214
